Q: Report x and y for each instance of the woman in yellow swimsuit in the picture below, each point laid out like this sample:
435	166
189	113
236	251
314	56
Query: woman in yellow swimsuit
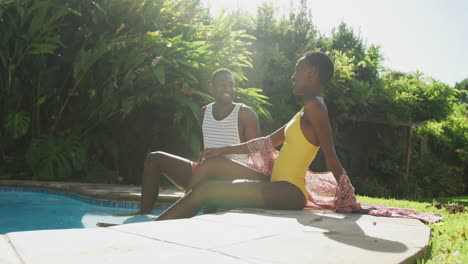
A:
301	137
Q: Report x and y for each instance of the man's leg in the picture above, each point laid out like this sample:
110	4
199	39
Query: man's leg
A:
273	195
224	169
177	169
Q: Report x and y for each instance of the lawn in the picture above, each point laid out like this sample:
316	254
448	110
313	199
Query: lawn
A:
449	239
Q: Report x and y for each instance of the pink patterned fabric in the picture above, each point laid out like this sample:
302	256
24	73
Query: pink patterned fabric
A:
262	155
325	192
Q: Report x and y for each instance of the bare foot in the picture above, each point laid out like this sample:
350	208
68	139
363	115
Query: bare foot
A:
105	224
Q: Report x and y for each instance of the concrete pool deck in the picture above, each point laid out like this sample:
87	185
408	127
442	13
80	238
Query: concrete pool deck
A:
236	236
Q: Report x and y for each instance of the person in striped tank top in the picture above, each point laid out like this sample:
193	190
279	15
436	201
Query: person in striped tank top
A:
223	123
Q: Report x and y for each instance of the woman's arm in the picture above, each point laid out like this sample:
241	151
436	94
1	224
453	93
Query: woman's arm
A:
277	139
317	114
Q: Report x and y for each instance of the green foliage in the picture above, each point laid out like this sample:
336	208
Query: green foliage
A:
88	88
29	32
94	172
462	90
253	98
110	68
301	32
279	43
366	60
52	157
17	124
370	187
449	137
444	170
438	178
348	96
418	100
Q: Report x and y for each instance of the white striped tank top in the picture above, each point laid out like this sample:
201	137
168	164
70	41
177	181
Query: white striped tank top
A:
223	132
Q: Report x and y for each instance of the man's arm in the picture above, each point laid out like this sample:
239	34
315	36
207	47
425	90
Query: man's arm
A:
202	117
250	127
317	114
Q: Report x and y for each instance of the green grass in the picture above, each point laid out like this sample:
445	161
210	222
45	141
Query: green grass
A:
449	239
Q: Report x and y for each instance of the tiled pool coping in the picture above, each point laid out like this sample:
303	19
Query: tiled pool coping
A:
88	200
118	196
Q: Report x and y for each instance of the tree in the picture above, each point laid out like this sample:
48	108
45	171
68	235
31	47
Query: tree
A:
462	88
108	81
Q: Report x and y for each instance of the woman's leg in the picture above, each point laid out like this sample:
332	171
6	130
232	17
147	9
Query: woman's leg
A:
273	195
177	169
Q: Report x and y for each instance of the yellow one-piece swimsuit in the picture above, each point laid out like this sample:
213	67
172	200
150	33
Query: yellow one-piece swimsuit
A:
295	155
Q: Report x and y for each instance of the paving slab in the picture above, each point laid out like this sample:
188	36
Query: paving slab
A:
102	245
338	238
7	253
267	236
195	233
240	236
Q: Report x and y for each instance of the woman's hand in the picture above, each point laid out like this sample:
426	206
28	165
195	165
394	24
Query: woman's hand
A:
209	153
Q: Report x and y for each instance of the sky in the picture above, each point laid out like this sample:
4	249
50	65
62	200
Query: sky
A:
430	36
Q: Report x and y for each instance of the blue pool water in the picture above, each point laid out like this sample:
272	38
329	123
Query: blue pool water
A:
29	210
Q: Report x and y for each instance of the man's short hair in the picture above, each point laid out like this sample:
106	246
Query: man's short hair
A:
219	72
323	63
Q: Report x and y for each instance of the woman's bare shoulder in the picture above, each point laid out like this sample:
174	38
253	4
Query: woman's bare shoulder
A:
315	104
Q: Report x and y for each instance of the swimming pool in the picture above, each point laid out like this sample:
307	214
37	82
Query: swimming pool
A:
24	209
